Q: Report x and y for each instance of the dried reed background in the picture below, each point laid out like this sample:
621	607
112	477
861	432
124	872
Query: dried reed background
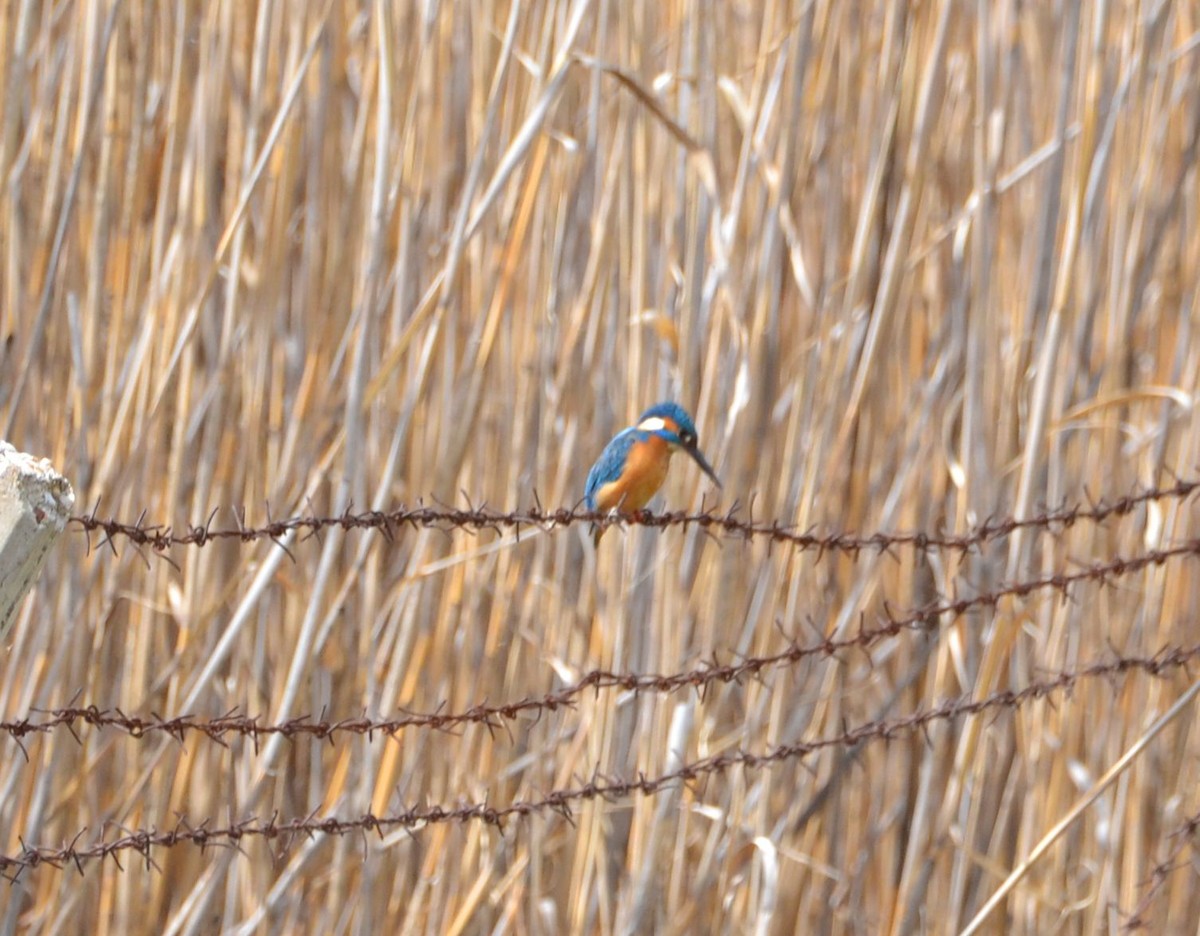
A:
910	265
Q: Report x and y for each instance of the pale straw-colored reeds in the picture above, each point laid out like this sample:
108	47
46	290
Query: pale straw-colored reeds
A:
910	266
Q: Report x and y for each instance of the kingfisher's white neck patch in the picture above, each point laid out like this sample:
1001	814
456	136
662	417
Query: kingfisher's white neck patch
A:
653	424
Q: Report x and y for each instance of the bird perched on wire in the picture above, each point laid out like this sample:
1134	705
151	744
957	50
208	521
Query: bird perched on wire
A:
634	464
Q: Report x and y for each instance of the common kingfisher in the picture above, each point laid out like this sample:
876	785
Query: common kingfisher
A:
634	464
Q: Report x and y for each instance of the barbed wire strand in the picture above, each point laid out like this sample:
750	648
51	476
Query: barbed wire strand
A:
1184	836
161	537
494	715
562	801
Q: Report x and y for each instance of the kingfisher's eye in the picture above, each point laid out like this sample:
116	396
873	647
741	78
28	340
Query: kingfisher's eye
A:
687	438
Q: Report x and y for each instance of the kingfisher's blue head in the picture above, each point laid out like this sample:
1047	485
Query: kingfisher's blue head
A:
672	422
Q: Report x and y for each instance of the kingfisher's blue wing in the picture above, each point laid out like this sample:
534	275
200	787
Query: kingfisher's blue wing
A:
609	465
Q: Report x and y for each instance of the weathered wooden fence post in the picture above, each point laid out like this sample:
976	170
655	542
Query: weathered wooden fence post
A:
35	503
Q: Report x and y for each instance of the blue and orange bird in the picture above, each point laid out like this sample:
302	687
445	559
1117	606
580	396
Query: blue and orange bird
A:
634	464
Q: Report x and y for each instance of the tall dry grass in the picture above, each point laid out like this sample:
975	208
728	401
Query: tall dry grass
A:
909	265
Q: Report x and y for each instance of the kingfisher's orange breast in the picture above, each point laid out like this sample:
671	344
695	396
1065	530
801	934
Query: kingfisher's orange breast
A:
644	472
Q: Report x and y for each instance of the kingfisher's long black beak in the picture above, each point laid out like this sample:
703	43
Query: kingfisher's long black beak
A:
702	462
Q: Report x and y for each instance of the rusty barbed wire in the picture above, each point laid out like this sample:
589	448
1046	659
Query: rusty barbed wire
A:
161	537
1184	835
563	801
700	678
